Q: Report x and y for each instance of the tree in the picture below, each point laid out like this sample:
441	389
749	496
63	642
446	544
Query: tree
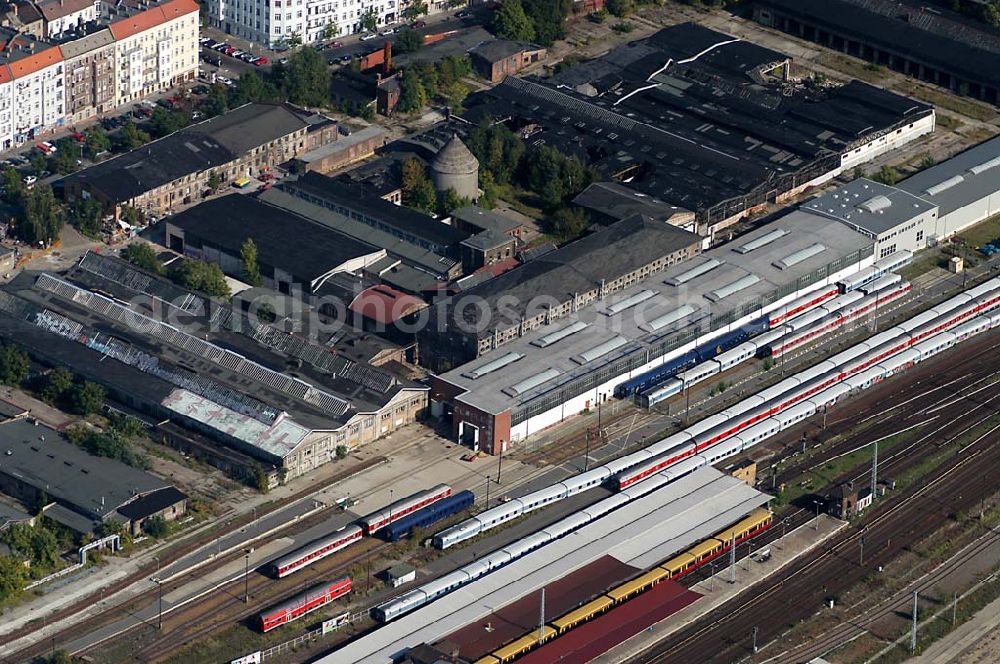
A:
567	223
416	9
202	276
65	158
554	176
412	96
330	30
86	398
306	78
12	185
217	101
454	95
13	365
165	122
214	181
369	20
96	141
156	526
408	41
61	657
548	18
38	164
86	216
619	8
251	268
449	201
418	191
487	199
143	255
341	451
55	384
497	149
42	217
109	444
251	88
13	578
887	175
132	137
511	22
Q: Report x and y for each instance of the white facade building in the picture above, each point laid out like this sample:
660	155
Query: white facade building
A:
6	108
63	16
274	22
38	90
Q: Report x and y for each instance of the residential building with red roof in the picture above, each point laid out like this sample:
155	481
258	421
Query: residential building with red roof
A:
64	16
37	99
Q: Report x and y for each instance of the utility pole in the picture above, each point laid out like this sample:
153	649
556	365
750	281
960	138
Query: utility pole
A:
913	626
487	491
159	587
246	575
874	468
500	461
861	544
755	638
586	455
541	618
954	608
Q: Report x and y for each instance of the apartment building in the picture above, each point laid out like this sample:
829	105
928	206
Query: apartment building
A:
274	22
65	16
36	89
156	47
90	81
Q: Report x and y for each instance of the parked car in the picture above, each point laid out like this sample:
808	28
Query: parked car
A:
200	90
78	137
30	180
346	58
260	62
370	35
387	31
418	24
463	14
335	44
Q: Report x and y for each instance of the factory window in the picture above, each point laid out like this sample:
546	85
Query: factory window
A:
920	235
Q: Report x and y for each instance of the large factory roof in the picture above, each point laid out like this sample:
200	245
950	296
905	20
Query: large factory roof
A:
871	206
654	310
575	268
673	517
925	35
44	459
699	130
965	178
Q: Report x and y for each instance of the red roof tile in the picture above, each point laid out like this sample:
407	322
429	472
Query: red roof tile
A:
152	17
385	305
35	62
5	75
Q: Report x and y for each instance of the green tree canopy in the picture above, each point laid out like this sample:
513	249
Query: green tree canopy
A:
86	216
619	8
96	141
13	365
418	190
412	95
143	255
511	22
306	78
202	276
369	20
408	41
487	199
55	383
13	187
86	398
568	222
497	149
251	268
449	200
132	137
42	217
548	18
554	176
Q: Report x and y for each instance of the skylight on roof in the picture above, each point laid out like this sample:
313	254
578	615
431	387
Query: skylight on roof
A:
560	334
985	166
799	256
530	382
944	185
630	302
762	241
600	350
734	287
876	204
671	317
694	272
492	366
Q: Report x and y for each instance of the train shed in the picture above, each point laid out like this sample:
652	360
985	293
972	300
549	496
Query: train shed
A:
574	362
681	514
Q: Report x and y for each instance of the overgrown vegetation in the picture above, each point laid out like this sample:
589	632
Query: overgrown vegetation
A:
143	255
116	442
40	217
201	276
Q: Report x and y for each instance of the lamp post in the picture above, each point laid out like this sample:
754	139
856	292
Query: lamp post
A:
246	575
159	588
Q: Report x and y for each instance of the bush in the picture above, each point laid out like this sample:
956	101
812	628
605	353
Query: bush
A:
598	16
341	451
142	255
623	27
156	527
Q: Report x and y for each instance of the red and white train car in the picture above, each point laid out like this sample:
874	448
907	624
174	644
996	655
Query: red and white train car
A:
403	507
315	550
303	603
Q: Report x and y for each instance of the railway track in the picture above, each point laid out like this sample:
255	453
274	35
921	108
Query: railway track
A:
895	523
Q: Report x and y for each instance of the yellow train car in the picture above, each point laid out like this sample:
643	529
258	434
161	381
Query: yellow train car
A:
679	564
705	550
638	585
586	612
517	648
488	659
758	519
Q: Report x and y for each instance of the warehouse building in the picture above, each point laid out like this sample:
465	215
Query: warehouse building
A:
555	370
216	376
704	121
554	286
930	44
80	491
923	209
293	252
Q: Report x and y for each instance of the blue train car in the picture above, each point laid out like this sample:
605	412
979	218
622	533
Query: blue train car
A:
656	375
731	340
428	515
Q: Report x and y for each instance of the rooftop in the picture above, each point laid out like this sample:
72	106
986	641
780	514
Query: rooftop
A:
577	267
356	198
501	49
618	201
486	219
936	37
305	249
667	307
870	206
44	459
953	184
342	144
703	130
486	240
195	149
384	304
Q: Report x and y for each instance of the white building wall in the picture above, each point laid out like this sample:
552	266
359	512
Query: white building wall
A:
6	115
38	102
605	390
885	143
969	215
57	26
157	59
